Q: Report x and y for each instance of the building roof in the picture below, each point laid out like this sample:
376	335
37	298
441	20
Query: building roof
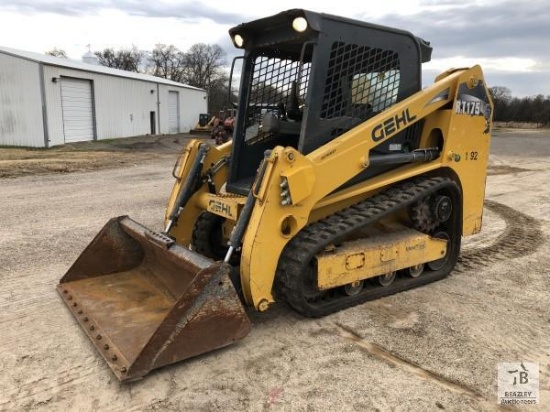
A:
78	65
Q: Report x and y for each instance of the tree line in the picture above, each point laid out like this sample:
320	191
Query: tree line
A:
534	109
202	66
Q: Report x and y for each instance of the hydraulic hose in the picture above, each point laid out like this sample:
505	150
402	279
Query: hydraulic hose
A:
189	187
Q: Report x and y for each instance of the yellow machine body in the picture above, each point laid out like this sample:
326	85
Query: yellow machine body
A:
314	177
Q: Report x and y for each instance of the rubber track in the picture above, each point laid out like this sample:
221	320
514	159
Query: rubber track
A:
202	232
312	240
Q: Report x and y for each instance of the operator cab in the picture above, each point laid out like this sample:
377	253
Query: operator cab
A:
307	78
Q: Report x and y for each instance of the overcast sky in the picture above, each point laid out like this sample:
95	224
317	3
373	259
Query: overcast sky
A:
510	39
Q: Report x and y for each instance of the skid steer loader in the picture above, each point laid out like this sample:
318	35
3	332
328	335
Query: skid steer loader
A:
345	181
204	125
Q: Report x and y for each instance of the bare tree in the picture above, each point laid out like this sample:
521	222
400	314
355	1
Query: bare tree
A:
168	62
201	66
124	59
218	96
501	93
204	68
55	52
204	65
502	96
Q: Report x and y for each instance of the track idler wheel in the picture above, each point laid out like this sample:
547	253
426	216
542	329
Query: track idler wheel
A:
352	289
386	279
415	271
439	263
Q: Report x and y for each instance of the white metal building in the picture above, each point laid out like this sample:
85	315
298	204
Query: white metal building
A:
47	101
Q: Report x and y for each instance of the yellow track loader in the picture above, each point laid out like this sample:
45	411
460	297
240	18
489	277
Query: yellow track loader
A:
345	181
204	125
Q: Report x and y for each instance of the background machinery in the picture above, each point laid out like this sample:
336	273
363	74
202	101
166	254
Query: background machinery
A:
204	125
359	184
224	125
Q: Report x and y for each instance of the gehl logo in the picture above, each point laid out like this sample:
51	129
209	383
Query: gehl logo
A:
220	208
391	125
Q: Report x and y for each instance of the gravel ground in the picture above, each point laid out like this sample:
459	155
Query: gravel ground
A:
432	348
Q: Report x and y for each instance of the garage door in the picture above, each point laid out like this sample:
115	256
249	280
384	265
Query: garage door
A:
173	112
77	104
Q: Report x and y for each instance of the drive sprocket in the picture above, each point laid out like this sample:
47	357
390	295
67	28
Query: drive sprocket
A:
422	216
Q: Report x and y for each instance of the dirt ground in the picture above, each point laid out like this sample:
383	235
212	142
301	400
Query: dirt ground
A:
432	348
87	156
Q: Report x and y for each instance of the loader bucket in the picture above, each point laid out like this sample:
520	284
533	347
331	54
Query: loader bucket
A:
146	302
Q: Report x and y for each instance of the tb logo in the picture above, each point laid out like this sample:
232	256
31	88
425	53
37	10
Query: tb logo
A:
522	377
